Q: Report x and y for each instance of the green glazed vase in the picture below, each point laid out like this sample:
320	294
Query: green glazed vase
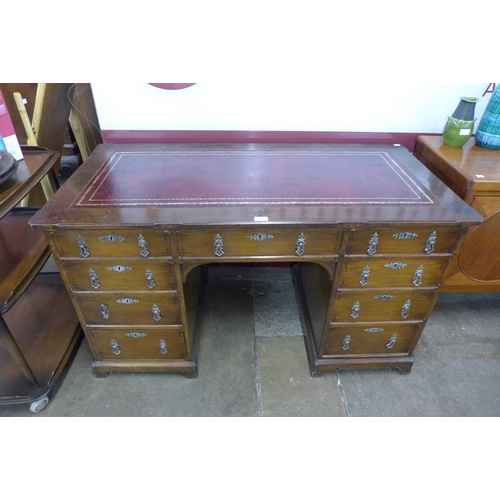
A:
458	130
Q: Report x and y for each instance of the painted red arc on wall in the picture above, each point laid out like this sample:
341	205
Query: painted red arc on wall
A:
172	86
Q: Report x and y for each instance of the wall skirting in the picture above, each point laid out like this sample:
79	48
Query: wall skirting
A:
408	140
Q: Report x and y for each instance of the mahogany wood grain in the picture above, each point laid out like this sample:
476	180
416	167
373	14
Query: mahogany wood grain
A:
473	173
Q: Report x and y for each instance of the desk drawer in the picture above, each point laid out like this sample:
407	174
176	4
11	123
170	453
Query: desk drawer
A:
369	339
140	344
113	243
149	309
403	240
120	275
268	242
379	305
392	272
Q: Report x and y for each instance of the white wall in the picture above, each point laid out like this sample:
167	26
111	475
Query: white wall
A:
287	106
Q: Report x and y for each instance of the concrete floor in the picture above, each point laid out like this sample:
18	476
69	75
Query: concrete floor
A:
253	363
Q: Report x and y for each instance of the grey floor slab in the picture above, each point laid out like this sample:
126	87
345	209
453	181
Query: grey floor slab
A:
286	387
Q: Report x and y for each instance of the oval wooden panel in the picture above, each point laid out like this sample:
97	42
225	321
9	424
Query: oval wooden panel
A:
479	256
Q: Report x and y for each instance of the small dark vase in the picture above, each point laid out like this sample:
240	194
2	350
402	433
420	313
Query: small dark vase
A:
460	125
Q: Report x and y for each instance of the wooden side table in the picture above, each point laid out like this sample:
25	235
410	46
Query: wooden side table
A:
474	174
38	326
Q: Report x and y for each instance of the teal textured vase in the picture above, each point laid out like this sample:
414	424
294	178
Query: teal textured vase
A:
459	127
488	130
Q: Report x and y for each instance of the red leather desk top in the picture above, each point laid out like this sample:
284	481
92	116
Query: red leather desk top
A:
273	177
247	184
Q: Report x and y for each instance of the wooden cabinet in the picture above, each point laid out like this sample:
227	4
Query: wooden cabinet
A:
38	325
473	173
367	231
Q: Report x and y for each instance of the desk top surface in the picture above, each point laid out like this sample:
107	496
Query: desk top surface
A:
249	183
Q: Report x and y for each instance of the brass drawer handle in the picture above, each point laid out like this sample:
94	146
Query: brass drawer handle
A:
429	247
405	310
219	246
156	312
372	245
365	275
94	280
116	348
346	343
355	309
392	341
163	347
301	243
150	280
144	252
417	277
84	251
104	311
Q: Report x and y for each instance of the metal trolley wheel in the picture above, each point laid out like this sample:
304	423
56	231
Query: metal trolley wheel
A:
39	405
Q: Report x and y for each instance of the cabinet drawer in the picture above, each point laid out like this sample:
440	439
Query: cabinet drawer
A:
403	239
129	308
392	272
369	339
140	344
269	242
379	305
112	243
120	275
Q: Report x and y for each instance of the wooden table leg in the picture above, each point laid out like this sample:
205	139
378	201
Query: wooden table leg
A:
10	344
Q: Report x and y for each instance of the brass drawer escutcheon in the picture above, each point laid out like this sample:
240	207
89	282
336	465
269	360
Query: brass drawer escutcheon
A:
135	335
111	239
260	237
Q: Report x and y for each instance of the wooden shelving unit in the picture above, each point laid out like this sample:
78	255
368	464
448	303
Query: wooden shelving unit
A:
38	326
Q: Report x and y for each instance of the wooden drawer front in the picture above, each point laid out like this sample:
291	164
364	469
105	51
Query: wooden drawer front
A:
130	308
140	343
403	239
378	305
112	243
392	272
120	275
369	339
247	243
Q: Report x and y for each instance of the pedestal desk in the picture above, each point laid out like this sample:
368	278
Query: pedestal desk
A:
368	233
473	173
